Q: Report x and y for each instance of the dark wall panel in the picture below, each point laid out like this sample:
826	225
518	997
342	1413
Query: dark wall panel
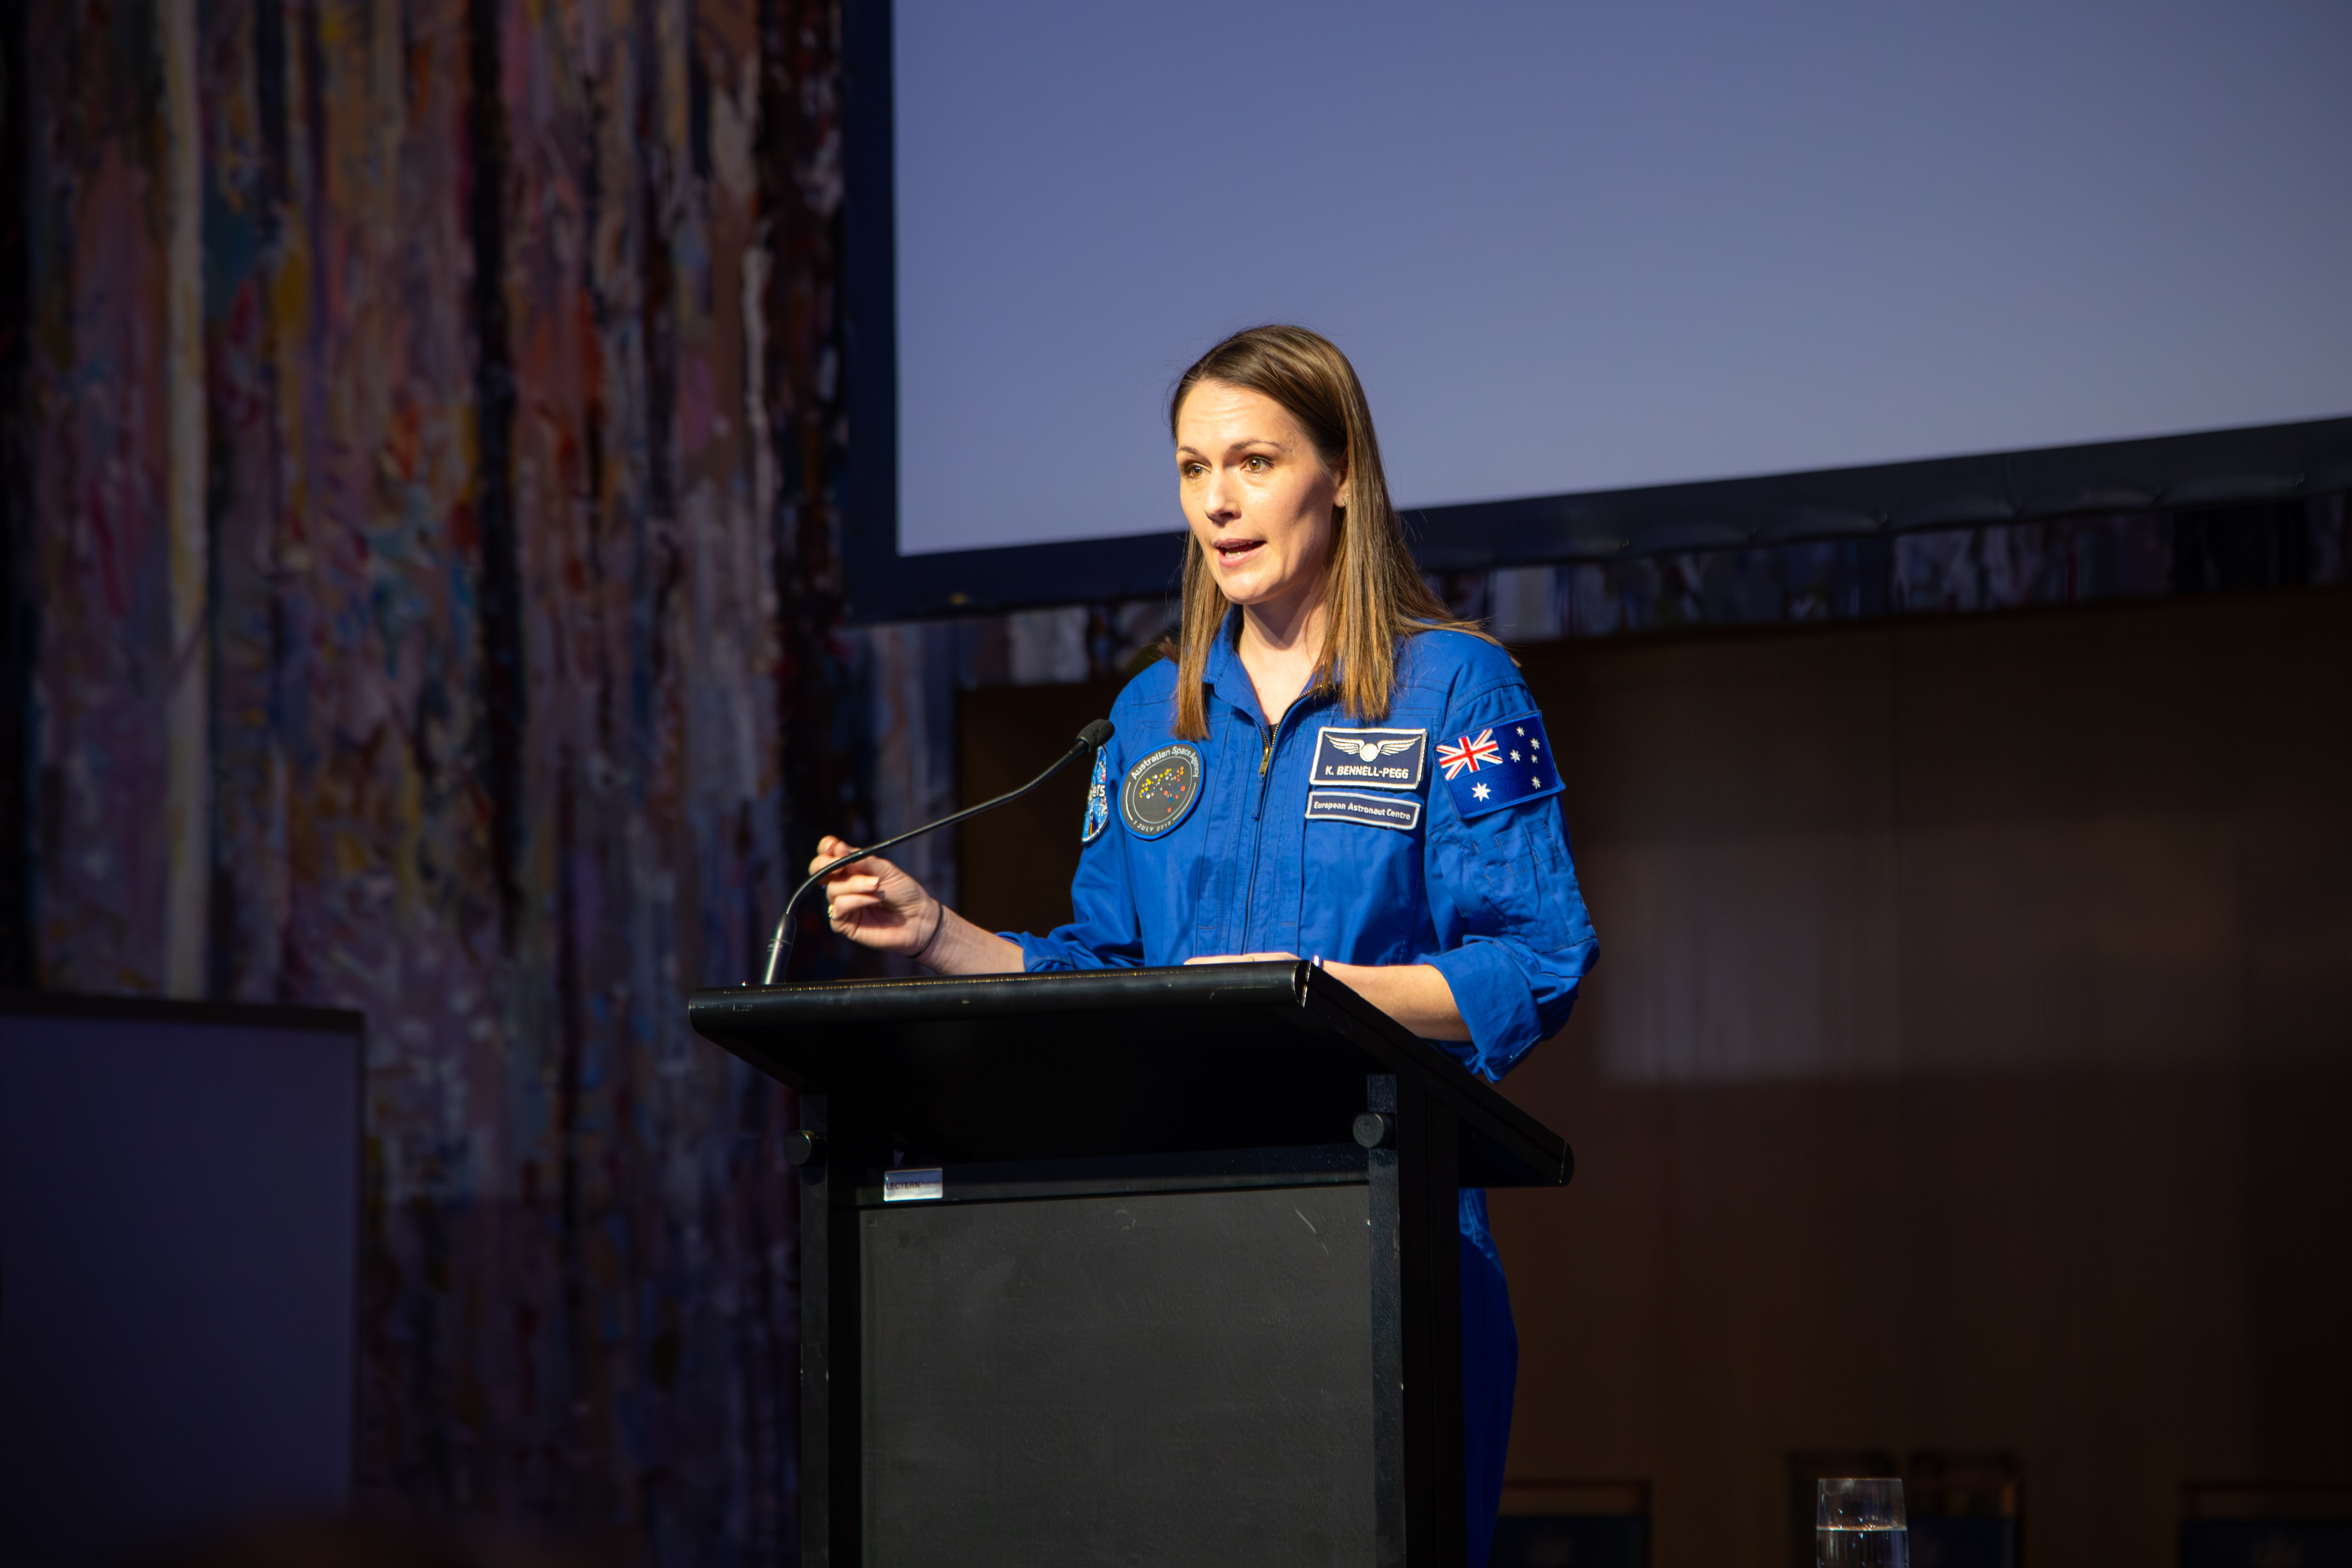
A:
1014	866
1957	1070
179	1258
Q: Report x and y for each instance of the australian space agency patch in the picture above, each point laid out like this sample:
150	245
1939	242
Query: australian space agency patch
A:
1097	800
1369	759
1159	790
1500	765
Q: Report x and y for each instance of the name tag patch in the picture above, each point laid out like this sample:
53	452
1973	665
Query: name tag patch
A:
1159	790
1370	758
1501	765
1399	812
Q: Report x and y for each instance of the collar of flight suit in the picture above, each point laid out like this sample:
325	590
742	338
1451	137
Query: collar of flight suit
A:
1230	683
1226	679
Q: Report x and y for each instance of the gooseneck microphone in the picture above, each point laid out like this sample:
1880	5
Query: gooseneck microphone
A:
780	950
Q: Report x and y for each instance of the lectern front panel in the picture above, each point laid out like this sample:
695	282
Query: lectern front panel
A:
1128	1266
1141	1378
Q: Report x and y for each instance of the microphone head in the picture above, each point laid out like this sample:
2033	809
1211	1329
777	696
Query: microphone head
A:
1096	735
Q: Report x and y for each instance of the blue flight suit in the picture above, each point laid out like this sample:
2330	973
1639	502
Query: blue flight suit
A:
1430	837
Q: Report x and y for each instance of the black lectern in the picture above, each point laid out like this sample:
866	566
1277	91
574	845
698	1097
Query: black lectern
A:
1144	1265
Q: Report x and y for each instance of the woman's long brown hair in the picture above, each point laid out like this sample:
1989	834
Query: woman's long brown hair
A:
1374	597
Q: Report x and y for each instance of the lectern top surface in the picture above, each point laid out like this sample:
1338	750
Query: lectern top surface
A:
1116	1061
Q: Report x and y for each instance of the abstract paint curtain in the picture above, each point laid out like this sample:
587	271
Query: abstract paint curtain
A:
423	554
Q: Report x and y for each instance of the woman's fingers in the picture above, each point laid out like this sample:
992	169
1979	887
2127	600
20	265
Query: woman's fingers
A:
851	894
829	849
867	899
1243	958
868	870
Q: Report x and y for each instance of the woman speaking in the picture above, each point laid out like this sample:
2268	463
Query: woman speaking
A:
1327	764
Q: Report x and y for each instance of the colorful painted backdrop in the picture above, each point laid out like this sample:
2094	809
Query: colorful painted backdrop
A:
423	426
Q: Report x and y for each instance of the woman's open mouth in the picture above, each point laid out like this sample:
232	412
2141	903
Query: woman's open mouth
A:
1233	552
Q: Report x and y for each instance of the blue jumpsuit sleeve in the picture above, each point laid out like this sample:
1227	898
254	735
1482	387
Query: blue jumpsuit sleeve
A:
1105	932
1515	937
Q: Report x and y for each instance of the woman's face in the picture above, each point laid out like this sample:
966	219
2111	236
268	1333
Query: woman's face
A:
1257	494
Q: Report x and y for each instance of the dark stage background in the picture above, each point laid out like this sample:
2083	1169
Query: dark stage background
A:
1966	1066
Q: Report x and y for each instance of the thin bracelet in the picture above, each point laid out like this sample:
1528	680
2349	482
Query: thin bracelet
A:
937	920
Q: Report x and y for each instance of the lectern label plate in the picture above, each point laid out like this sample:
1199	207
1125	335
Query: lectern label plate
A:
913	1186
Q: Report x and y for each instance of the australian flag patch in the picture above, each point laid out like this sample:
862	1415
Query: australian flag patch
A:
1500	765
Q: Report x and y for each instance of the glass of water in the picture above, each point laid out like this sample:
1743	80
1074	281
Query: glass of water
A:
1860	1524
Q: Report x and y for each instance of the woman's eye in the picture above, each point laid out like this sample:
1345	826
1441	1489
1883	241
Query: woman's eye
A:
1255	464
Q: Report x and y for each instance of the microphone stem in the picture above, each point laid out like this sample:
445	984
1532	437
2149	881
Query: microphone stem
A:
780	950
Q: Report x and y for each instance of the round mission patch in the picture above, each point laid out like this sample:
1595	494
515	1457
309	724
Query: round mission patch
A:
1159	790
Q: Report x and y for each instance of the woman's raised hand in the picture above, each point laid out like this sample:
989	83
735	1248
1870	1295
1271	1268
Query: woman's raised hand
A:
874	903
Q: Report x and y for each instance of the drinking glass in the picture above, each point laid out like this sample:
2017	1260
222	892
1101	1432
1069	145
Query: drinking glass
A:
1860	1524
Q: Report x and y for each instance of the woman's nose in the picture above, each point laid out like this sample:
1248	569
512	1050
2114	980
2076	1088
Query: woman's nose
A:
1223	499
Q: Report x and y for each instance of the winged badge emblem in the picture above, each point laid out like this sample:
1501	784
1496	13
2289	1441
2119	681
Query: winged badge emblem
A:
1373	751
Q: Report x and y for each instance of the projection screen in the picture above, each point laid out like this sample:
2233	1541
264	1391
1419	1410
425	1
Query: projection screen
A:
1575	247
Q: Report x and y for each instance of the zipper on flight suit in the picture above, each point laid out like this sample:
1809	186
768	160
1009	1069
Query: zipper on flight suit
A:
1257	812
1265	761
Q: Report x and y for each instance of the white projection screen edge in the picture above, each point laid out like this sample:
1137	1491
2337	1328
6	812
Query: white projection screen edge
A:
1020	298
